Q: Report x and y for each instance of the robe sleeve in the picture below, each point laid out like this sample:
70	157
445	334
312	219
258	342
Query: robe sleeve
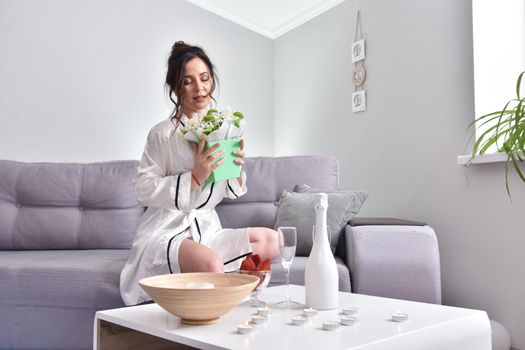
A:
154	185
233	189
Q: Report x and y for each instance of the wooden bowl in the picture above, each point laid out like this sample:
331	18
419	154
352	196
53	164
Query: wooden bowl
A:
180	296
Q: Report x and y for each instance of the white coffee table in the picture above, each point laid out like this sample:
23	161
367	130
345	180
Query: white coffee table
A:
429	326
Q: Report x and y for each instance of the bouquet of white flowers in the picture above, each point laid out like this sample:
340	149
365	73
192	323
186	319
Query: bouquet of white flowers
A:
215	125
218	126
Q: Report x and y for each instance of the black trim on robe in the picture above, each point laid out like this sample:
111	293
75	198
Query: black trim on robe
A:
177	193
169	244
208	199
237	258
231	189
198	229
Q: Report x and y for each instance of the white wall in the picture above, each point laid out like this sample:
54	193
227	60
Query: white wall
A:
83	80
403	149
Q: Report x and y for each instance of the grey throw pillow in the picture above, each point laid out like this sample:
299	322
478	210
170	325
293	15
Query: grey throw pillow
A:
297	209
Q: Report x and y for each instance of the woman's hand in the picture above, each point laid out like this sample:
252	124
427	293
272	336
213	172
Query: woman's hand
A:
204	161
240	154
240	161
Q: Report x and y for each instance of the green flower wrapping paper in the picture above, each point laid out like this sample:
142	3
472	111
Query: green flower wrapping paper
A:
218	126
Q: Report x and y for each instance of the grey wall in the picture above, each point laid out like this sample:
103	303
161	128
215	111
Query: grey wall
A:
83	80
403	148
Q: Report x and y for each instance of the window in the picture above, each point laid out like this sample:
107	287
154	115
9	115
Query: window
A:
499	52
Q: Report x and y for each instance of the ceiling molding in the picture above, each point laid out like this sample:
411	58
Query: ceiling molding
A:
296	13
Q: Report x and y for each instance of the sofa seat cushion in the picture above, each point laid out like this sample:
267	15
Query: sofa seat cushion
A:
297	273
62	278
56	292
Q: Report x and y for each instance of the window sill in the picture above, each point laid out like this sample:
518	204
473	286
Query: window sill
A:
486	158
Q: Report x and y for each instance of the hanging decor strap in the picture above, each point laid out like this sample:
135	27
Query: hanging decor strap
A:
358	25
358	47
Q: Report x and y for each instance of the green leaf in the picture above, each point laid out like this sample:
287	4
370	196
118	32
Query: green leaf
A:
521	139
489	120
500	120
518	83
484	139
473	123
517	167
507	178
489	142
239	115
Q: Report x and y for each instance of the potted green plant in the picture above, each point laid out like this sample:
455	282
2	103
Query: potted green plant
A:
505	130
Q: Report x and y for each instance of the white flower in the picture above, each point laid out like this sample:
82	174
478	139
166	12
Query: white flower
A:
215	124
228	113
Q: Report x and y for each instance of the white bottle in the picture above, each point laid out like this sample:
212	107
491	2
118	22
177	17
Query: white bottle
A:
321	279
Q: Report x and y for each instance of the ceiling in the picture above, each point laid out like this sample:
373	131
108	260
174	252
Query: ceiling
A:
270	18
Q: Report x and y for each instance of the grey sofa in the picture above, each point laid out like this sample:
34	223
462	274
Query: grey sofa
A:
66	229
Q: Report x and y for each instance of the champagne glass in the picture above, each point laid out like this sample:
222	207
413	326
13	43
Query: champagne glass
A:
287	244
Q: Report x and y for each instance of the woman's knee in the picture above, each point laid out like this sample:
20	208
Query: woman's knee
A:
273	238
214	264
264	241
195	257
273	243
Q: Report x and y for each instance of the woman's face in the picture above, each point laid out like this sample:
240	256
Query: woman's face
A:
196	87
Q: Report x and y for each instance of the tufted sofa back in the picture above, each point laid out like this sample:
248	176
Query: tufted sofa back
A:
67	206
93	206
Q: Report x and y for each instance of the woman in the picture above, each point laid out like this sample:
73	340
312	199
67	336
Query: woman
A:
180	230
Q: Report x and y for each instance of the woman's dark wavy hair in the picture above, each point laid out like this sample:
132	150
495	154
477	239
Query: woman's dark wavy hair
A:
181	53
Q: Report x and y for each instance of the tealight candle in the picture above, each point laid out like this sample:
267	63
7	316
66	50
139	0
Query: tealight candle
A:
350	310
245	328
310	312
331	325
264	311
399	317
299	320
199	285
348	320
258	319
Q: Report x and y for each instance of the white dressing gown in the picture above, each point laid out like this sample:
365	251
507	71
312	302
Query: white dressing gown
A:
175	212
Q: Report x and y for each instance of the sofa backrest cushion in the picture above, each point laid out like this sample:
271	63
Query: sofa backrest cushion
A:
67	206
267	178
94	206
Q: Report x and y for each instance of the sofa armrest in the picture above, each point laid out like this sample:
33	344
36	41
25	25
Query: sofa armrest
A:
393	258
367	221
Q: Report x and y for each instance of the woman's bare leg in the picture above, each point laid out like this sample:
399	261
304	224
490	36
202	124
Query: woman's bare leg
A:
264	242
195	257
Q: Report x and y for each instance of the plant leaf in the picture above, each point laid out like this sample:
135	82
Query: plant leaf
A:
518	83
507	177
506	130
492	140
517	167
486	138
